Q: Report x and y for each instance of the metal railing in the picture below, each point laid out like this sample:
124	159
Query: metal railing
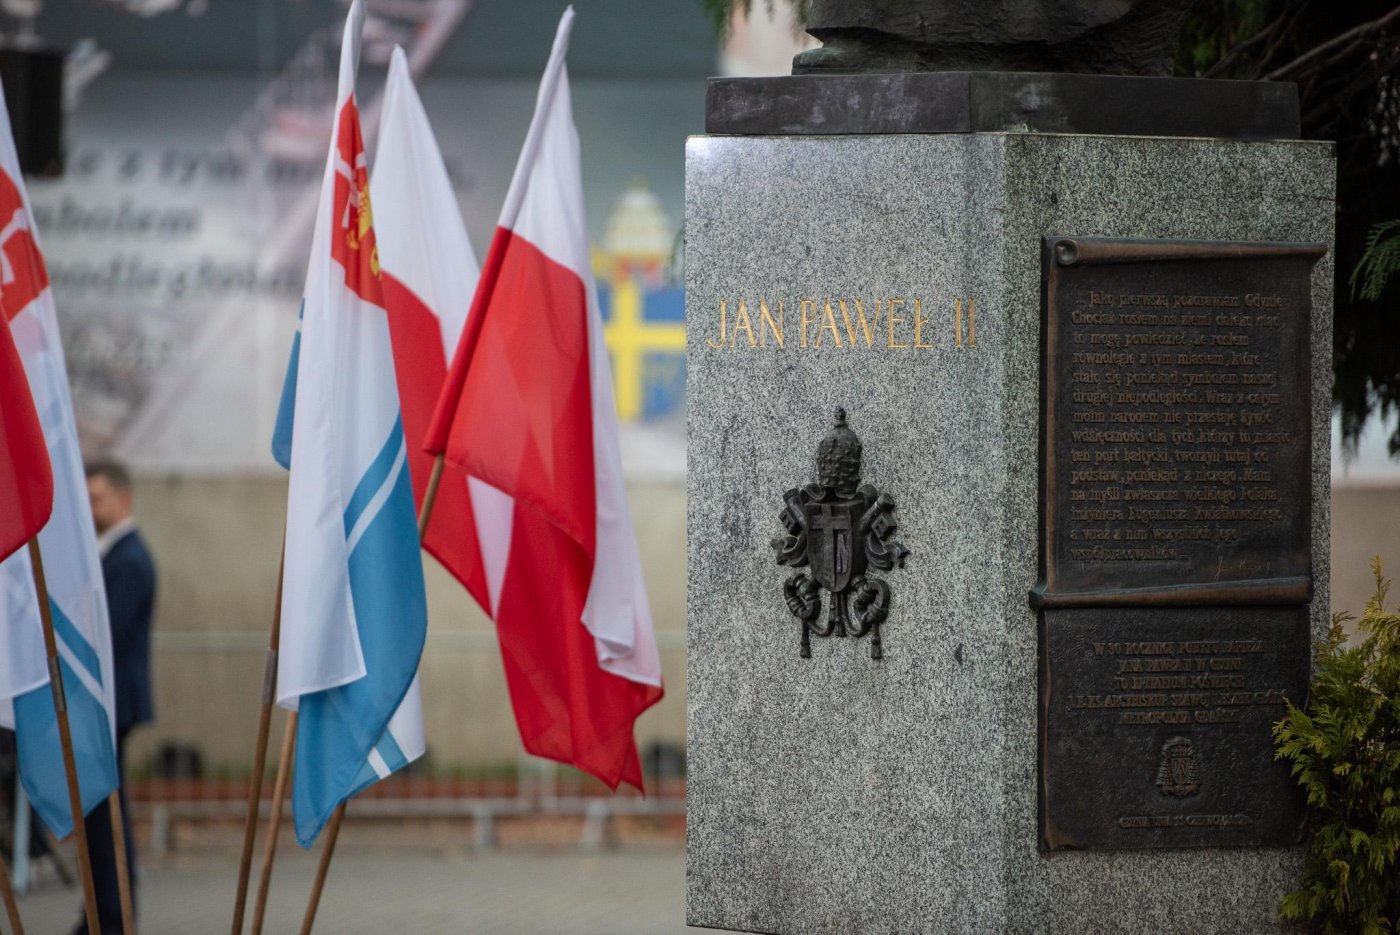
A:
536	789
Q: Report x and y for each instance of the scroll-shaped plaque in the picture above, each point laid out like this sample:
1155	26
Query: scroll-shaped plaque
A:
1176	520
1177	413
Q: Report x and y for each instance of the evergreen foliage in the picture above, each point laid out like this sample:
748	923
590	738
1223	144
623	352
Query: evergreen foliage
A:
1345	60
1379	262
1345	752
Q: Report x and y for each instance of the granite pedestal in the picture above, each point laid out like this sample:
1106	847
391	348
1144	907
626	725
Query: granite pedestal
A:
842	794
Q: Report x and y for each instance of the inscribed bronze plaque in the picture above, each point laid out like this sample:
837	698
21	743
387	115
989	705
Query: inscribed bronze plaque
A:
1175	539
1177	413
1156	726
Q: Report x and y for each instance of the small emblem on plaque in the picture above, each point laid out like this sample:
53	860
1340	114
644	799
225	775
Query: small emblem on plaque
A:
1177	774
839	528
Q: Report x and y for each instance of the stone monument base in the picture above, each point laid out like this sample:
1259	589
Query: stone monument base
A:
993	101
899	277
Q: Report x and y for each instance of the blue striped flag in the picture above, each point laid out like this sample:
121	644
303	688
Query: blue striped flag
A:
354	612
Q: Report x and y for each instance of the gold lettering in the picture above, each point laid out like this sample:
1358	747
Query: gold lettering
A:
890	321
812	320
721	327
867	327
828	325
919	321
971	321
766	318
818	319
741	320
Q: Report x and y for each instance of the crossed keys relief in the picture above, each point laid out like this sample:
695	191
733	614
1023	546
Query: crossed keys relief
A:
840	529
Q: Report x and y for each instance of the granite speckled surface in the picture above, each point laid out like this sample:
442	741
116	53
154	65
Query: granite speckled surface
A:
838	794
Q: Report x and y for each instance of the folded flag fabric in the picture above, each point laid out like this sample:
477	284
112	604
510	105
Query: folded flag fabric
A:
429	276
26	480
32	367
354	613
528	409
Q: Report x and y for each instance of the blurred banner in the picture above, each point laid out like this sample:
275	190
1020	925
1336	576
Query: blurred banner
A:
178	237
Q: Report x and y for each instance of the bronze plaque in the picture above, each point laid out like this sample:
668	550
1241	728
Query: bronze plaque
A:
1156	726
1176	538
1177	414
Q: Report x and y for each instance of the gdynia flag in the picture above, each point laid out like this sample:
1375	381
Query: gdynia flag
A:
354	613
528	409
68	543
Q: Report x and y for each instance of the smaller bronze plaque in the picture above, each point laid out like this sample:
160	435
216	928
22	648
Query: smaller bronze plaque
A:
1157	726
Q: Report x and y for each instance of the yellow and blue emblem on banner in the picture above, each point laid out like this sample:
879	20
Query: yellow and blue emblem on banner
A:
644	326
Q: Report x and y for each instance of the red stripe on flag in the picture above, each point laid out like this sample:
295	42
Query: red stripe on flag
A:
524	418
26	479
420	368
566	707
446	412
23	274
516	412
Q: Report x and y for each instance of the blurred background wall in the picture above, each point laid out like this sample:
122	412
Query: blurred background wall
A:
1365	514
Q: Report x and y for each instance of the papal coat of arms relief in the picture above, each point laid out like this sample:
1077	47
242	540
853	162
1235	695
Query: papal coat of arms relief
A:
840	530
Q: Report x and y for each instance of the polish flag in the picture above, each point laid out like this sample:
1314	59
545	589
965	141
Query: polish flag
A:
429	276
528	410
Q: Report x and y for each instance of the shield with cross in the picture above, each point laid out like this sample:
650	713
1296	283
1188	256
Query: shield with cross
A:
832	545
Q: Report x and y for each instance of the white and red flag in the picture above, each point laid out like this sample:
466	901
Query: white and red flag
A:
77	597
528	409
429	276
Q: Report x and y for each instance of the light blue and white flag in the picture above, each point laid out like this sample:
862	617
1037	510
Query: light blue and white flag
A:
354	612
68	543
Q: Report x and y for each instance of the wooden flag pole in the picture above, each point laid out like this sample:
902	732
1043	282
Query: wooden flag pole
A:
327	852
274	820
333	827
7	892
114	806
430	496
250	824
65	738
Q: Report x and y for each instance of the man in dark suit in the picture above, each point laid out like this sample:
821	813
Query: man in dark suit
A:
130	577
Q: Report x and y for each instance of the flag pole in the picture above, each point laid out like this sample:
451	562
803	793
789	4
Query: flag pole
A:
430	496
114	806
250	824
274	820
8	893
65	737
333	827
327	852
